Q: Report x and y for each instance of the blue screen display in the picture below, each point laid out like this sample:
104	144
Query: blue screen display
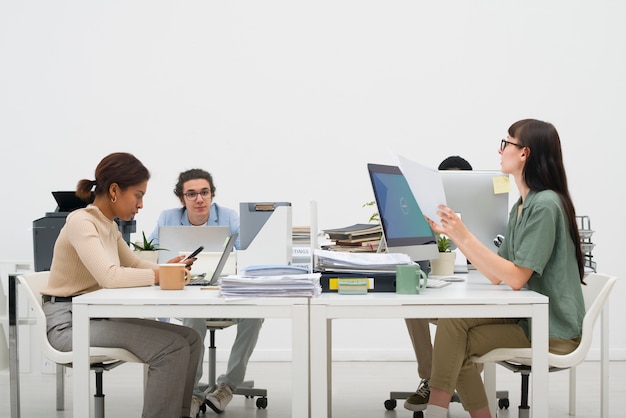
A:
401	216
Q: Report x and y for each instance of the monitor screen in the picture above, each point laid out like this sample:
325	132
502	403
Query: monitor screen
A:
404	227
472	194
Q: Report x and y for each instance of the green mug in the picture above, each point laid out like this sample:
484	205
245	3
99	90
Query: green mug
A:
410	279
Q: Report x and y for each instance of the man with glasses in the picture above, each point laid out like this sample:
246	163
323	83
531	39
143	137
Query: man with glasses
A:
195	190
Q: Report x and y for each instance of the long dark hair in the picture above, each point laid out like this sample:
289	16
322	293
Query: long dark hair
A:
121	168
544	170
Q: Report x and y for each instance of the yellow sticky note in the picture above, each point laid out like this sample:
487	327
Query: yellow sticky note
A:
501	184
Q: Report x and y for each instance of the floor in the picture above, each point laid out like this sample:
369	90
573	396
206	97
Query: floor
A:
359	390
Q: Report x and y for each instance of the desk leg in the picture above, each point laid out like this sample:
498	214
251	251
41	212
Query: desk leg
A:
80	342
14	364
604	360
540	361
300	362
321	363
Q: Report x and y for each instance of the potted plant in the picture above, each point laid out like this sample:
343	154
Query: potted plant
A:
444	265
147	250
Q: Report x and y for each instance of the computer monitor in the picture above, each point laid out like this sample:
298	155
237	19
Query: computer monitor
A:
471	193
405	229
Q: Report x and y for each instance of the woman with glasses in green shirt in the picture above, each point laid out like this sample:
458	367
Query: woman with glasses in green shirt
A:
541	251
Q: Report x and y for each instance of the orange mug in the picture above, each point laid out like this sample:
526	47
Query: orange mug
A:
173	276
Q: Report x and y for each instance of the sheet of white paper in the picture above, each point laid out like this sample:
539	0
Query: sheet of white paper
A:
426	185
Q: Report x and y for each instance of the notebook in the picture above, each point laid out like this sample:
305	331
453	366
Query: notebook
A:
177	239
204	281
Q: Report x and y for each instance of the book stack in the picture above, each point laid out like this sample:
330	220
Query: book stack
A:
355	238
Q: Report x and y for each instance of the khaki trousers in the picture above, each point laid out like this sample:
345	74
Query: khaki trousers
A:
459	339
419	331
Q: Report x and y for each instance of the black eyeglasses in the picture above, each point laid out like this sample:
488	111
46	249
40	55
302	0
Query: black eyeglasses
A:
504	143
192	194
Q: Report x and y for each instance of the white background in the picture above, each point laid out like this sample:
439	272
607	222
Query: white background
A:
288	101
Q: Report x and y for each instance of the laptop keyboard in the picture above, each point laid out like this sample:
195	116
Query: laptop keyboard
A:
199	280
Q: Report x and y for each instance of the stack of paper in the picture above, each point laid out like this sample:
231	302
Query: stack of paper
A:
360	262
286	285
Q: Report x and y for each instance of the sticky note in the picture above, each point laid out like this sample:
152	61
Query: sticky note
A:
501	184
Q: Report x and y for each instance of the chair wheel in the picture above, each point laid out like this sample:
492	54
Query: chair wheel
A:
503	403
261	403
418	414
390	404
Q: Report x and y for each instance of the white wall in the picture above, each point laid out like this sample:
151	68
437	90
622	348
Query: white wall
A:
286	100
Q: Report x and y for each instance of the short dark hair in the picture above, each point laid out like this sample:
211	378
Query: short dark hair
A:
194	173
454	162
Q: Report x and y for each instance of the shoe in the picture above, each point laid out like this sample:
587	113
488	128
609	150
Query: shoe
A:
419	400
194	409
219	398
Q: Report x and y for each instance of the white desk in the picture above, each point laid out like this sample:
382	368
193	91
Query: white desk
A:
192	302
472	299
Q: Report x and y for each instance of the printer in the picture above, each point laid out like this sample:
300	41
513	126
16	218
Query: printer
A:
46	229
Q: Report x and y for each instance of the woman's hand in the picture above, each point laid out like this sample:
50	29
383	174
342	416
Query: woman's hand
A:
451	224
180	259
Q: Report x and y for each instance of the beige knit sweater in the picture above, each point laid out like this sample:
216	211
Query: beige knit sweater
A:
91	254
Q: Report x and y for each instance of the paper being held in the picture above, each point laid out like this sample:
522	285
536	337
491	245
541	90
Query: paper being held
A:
426	185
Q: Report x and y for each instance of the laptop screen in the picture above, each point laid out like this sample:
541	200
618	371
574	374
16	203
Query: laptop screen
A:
177	239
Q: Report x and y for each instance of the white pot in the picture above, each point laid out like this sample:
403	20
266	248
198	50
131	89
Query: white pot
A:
444	265
149	255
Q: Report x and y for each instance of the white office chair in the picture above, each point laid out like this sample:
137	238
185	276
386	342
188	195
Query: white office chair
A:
596	294
246	388
101	358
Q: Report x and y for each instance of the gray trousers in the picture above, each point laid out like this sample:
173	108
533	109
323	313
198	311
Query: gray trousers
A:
247	335
172	353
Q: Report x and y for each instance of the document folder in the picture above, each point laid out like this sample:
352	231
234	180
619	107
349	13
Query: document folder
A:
266	236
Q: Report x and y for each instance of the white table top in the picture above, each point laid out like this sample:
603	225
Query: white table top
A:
190	295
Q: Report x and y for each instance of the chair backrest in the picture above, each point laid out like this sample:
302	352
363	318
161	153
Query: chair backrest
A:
32	284
596	293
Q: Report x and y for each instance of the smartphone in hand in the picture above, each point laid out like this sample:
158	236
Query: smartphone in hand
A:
193	254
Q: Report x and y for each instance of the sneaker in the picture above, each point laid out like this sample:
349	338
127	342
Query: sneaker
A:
194	409
419	400
219	398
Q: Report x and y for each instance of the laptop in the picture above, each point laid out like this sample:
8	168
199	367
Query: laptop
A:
177	239
203	281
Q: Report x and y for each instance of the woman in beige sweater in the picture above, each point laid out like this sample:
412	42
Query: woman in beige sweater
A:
90	254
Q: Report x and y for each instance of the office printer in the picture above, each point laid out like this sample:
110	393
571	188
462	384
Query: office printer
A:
46	229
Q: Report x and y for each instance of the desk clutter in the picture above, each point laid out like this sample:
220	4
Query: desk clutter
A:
271	281
359	262
355	238
357	273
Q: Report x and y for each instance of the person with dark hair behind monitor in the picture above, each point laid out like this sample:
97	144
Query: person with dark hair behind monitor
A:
541	251
454	162
195	189
419	328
